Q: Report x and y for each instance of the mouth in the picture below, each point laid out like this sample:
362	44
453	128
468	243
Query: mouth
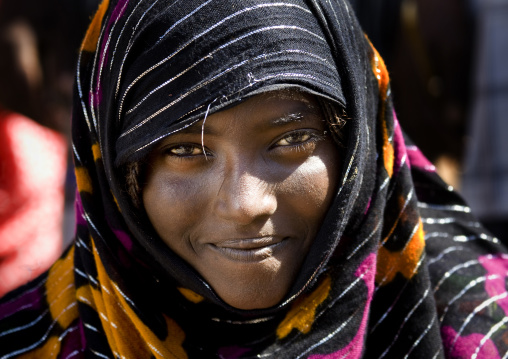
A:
250	249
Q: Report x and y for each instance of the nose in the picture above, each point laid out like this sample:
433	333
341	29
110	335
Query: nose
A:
244	197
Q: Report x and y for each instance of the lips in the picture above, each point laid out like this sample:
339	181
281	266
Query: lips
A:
249	249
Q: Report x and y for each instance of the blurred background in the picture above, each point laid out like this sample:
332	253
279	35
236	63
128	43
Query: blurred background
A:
450	87
449	82
39	42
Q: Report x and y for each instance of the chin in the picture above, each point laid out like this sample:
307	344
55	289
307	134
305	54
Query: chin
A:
251	296
250	286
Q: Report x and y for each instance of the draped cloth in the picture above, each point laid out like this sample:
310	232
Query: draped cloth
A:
399	269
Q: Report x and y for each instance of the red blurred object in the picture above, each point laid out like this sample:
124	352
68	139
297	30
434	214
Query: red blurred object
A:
32	175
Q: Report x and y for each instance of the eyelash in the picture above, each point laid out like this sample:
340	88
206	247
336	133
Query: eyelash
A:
312	138
189	146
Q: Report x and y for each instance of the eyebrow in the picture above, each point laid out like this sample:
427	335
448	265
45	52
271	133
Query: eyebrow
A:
287	118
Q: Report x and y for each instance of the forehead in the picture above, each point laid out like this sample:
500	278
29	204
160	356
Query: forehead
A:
266	110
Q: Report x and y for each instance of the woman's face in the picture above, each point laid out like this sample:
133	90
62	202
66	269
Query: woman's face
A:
241	198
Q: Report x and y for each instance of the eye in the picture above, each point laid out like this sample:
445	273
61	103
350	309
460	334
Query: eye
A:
294	138
184	150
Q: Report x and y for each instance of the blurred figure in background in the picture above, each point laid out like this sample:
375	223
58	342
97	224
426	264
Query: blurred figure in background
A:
428	49
450	83
32	166
485	179
39	42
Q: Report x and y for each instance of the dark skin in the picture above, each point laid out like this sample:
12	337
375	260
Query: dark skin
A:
243	200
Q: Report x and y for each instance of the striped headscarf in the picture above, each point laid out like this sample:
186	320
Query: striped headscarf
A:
399	269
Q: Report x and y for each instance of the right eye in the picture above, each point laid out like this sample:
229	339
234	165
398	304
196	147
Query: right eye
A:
184	150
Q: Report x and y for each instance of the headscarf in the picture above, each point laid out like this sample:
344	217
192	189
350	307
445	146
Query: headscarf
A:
400	267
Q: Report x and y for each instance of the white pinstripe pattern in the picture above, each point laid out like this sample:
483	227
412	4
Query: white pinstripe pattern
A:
43	338
477	309
100	355
26	306
119	37
81	98
129	45
429	235
220	48
90	222
329	336
389	310
92	76
178	22
446	251
81	243
482	236
404	322
87	276
384	184
487	336
194	89
25	326
408	199
75	151
440	207
243	322
197	37
366	240
67	331
127	299
156	350
38	319
214	78
84	300
98	86
461	238
454	269
91	327
403	160
74	353
448	220
165	135
437	353
420	338
469	286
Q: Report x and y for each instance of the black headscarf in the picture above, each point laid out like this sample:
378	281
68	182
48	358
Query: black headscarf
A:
399	268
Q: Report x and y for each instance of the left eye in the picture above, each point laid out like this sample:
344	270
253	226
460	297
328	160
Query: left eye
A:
184	150
294	138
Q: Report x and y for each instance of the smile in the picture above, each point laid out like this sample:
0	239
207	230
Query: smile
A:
249	250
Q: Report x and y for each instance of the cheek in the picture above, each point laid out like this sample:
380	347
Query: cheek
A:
171	205
312	186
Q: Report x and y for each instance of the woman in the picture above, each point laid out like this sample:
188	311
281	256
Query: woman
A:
225	211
